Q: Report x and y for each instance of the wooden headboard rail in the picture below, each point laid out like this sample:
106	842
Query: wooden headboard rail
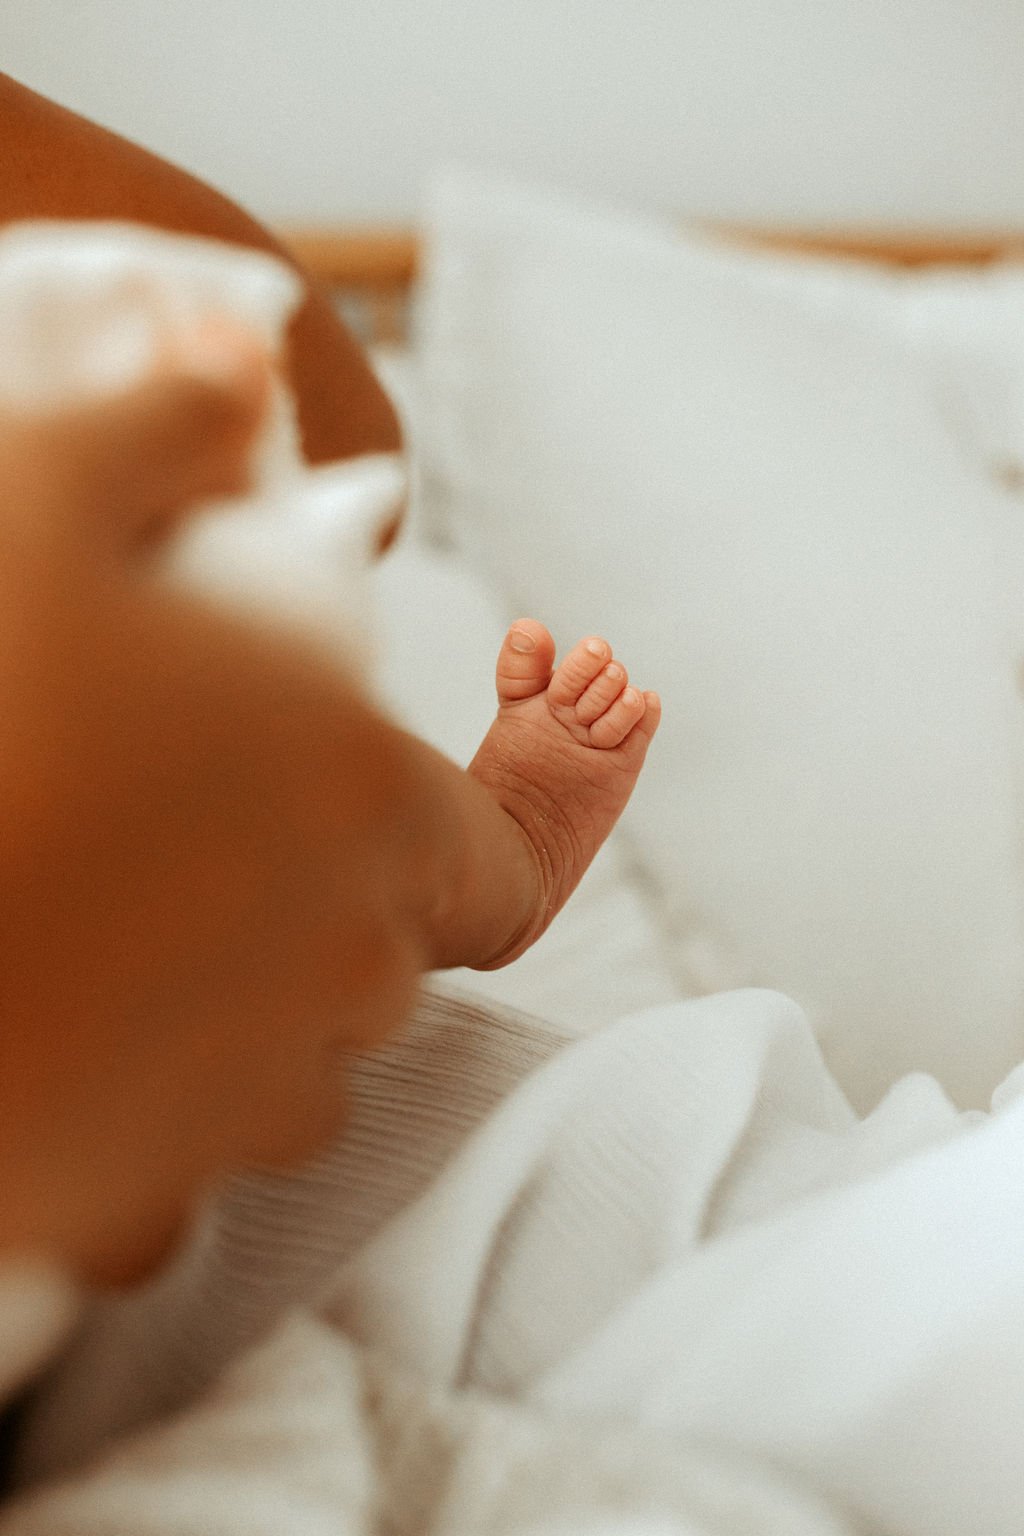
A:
893	248
373	269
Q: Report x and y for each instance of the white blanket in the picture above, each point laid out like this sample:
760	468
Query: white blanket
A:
669	1283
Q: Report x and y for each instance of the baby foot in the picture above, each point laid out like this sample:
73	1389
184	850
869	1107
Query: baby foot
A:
563	754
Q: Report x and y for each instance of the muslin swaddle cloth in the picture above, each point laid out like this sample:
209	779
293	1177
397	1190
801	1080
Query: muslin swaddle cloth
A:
87	308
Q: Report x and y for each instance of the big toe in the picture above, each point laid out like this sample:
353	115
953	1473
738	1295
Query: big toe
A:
525	661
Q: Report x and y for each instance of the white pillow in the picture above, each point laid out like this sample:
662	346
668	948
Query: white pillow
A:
748	471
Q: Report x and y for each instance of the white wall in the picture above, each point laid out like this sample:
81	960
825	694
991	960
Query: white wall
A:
906	111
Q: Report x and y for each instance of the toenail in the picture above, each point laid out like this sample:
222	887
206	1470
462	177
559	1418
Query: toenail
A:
613	671
596	647
521	640
630	696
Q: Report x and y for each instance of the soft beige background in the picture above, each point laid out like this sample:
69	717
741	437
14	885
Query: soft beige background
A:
879	110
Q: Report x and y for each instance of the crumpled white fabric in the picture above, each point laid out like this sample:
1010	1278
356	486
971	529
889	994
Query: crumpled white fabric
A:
309	1436
670	1282
88	308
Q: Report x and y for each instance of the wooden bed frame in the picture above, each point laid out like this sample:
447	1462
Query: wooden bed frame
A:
373	269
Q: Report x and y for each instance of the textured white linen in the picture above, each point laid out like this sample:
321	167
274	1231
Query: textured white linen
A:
670	1282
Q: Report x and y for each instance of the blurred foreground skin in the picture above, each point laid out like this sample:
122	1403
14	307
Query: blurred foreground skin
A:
179	852
107	689
56	164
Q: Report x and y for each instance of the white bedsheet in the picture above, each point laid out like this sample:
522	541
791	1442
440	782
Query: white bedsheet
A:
671	1283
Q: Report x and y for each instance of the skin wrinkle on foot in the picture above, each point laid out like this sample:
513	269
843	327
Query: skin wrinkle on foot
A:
564	786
